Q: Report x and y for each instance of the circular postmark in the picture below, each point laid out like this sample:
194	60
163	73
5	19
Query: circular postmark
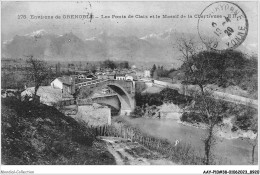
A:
222	25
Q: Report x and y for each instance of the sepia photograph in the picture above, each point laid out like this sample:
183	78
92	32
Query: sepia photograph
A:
130	83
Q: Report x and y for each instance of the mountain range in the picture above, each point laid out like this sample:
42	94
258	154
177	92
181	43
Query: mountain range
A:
67	47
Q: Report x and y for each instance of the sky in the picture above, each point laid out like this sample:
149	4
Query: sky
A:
139	27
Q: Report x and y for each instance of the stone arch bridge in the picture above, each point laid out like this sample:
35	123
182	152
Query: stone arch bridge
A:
125	91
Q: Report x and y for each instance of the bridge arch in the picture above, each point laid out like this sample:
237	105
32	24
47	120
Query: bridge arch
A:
127	101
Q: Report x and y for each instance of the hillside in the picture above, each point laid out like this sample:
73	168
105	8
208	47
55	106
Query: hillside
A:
41	135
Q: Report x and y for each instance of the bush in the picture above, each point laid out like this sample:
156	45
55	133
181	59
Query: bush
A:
193	117
138	112
165	96
150	99
173	96
140	87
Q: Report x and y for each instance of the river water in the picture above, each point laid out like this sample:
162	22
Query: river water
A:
234	151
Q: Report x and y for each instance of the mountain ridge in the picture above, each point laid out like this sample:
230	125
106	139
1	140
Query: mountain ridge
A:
152	47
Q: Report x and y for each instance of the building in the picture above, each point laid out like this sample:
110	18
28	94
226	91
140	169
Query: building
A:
139	74
91	77
65	83
46	94
111	76
133	67
120	77
147	73
102	76
81	76
129	78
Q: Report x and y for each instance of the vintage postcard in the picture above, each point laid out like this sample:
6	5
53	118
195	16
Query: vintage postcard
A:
129	83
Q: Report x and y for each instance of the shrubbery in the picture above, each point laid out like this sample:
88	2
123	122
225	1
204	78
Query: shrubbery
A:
193	117
167	95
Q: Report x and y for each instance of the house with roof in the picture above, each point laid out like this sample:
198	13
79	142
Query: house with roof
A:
65	83
81	76
91	77
120	76
147	73
111	76
129	78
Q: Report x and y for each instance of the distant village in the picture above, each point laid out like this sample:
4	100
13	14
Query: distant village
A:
61	85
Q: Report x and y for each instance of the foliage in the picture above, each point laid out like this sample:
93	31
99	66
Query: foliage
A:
138	112
93	68
108	64
155	75
193	117
245	118
202	68
12	80
139	86
149	99
123	65
84	92
173	96
222	68
167	95
37	72
158	72
152	70
113	65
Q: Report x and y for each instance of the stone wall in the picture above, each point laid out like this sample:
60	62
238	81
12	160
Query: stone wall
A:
95	115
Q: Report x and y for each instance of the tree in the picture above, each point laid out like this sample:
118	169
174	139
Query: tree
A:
93	68
58	68
171	74
200	67
108	64
211	67
153	69
155	74
37	71
124	65
249	121
253	142
200	71
80	66
210	112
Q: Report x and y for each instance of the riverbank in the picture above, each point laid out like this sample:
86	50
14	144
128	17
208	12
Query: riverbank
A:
170	111
126	152
228	151
224	132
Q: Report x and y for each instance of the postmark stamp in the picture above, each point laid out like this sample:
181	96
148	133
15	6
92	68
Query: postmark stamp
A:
222	25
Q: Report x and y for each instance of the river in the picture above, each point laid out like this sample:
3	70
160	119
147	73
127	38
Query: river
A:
234	151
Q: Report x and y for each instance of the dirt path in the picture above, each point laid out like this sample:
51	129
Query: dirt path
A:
131	153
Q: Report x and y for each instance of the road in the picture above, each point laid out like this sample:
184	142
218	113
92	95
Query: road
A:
216	94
